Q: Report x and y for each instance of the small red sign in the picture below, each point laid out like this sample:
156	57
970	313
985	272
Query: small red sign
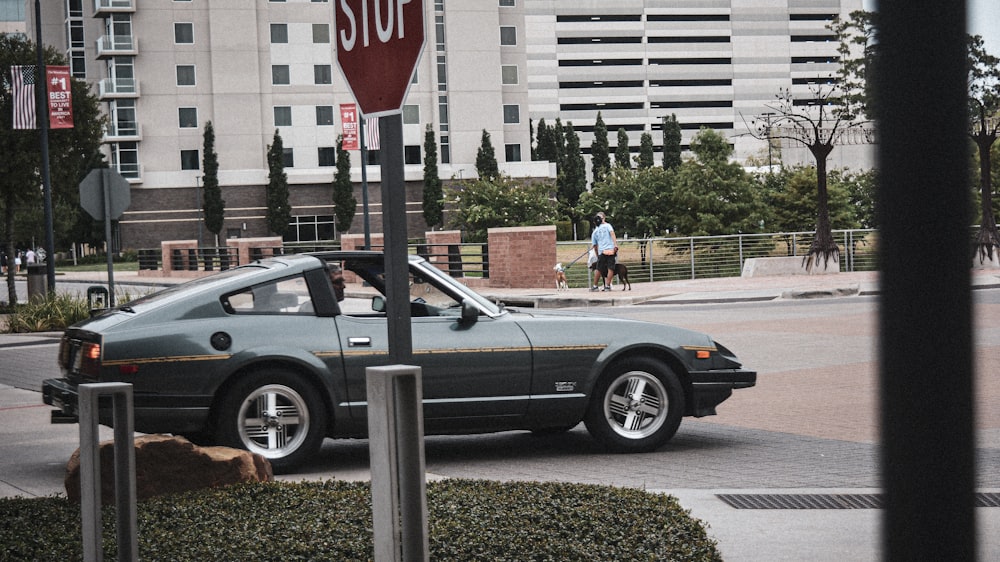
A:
349	122
60	91
378	45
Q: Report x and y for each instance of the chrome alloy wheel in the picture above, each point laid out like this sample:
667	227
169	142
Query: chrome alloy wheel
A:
636	404
273	421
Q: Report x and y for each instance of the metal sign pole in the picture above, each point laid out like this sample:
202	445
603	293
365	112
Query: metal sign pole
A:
394	227
106	190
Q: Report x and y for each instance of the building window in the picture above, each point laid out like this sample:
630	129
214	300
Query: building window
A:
125	157
327	156
288	157
445	151
411	154
411	114
282	116
512	152
187	117
507	3
322	74
279	74
310	228
185	75
183	33
511	114
508	35
508	74
279	33
324	115
189	160
321	33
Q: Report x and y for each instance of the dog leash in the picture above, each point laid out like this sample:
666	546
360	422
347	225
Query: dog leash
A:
577	259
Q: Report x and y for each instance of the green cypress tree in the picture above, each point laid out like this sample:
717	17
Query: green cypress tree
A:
433	202
546	145
486	159
212	203
623	159
573	175
600	155
645	151
671	142
344	202
279	211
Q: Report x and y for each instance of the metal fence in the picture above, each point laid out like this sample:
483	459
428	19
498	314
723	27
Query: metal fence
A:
648	259
698	257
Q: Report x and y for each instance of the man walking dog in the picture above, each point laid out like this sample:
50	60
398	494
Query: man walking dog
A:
606	246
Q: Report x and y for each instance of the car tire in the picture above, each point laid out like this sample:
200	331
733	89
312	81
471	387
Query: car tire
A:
636	406
274	413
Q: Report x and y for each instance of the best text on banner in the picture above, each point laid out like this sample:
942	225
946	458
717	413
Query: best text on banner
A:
60	97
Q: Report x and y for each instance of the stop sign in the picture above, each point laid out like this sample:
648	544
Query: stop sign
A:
378	45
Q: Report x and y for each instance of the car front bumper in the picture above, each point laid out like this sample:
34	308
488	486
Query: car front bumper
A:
711	388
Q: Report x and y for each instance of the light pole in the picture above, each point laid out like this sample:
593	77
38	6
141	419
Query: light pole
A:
198	205
767	116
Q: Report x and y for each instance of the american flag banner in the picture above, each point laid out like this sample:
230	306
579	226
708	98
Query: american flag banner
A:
23	91
371	133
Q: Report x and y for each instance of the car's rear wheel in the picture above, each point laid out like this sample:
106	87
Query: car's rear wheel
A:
275	413
636	407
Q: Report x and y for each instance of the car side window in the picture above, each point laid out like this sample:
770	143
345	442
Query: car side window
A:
426	299
285	296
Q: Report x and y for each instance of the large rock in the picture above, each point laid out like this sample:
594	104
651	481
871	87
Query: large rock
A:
166	465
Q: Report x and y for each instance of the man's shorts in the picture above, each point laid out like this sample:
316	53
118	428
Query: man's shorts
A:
605	263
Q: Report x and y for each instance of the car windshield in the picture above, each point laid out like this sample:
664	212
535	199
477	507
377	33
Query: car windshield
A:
450	285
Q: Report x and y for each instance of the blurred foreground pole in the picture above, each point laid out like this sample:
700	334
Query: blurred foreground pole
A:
926	362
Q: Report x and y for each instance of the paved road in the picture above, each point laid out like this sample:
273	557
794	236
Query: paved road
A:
810	426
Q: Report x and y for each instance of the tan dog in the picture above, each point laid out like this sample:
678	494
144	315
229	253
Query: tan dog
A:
561	284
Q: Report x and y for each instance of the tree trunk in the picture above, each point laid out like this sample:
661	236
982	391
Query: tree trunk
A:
823	249
988	238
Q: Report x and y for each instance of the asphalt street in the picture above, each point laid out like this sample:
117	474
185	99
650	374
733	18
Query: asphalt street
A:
789	438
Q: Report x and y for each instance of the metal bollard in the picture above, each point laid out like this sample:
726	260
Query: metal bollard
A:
90	470
396	448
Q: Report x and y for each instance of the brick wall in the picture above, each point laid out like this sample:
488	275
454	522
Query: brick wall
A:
522	257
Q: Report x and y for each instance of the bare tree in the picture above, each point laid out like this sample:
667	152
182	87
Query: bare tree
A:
984	124
819	123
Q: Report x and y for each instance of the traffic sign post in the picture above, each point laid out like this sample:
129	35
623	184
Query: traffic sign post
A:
105	194
378	45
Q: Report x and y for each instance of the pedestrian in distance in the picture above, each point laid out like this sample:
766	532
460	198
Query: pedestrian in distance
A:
605	244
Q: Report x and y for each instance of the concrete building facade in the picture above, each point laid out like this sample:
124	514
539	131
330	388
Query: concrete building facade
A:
164	68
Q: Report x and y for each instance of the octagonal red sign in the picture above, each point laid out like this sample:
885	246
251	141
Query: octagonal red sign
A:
378	45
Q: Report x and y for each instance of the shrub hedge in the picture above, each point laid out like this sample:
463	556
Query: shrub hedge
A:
331	520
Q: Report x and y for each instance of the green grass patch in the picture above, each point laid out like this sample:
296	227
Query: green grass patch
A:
468	520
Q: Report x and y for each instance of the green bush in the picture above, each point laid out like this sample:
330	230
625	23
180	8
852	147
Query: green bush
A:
468	520
49	313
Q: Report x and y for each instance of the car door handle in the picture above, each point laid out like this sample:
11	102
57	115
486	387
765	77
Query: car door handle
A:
359	342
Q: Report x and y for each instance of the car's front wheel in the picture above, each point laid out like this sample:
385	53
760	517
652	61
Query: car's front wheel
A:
275	413
636	406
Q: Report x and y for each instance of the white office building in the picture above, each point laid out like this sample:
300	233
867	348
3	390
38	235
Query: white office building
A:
163	68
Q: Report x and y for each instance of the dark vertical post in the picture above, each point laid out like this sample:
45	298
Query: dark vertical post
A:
364	182
394	229
926	364
42	117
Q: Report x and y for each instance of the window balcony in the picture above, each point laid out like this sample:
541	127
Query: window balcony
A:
113	6
118	88
123	131
117	45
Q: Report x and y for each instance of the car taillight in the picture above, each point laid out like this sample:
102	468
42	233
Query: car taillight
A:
90	359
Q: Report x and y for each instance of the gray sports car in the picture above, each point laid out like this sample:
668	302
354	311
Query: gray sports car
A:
267	357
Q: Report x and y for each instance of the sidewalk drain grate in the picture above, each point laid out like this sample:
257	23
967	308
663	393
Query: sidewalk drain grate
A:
826	501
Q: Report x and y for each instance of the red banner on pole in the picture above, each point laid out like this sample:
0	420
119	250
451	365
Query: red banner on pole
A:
60	97
349	120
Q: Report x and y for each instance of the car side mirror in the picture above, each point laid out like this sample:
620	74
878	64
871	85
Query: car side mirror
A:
470	312
378	303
